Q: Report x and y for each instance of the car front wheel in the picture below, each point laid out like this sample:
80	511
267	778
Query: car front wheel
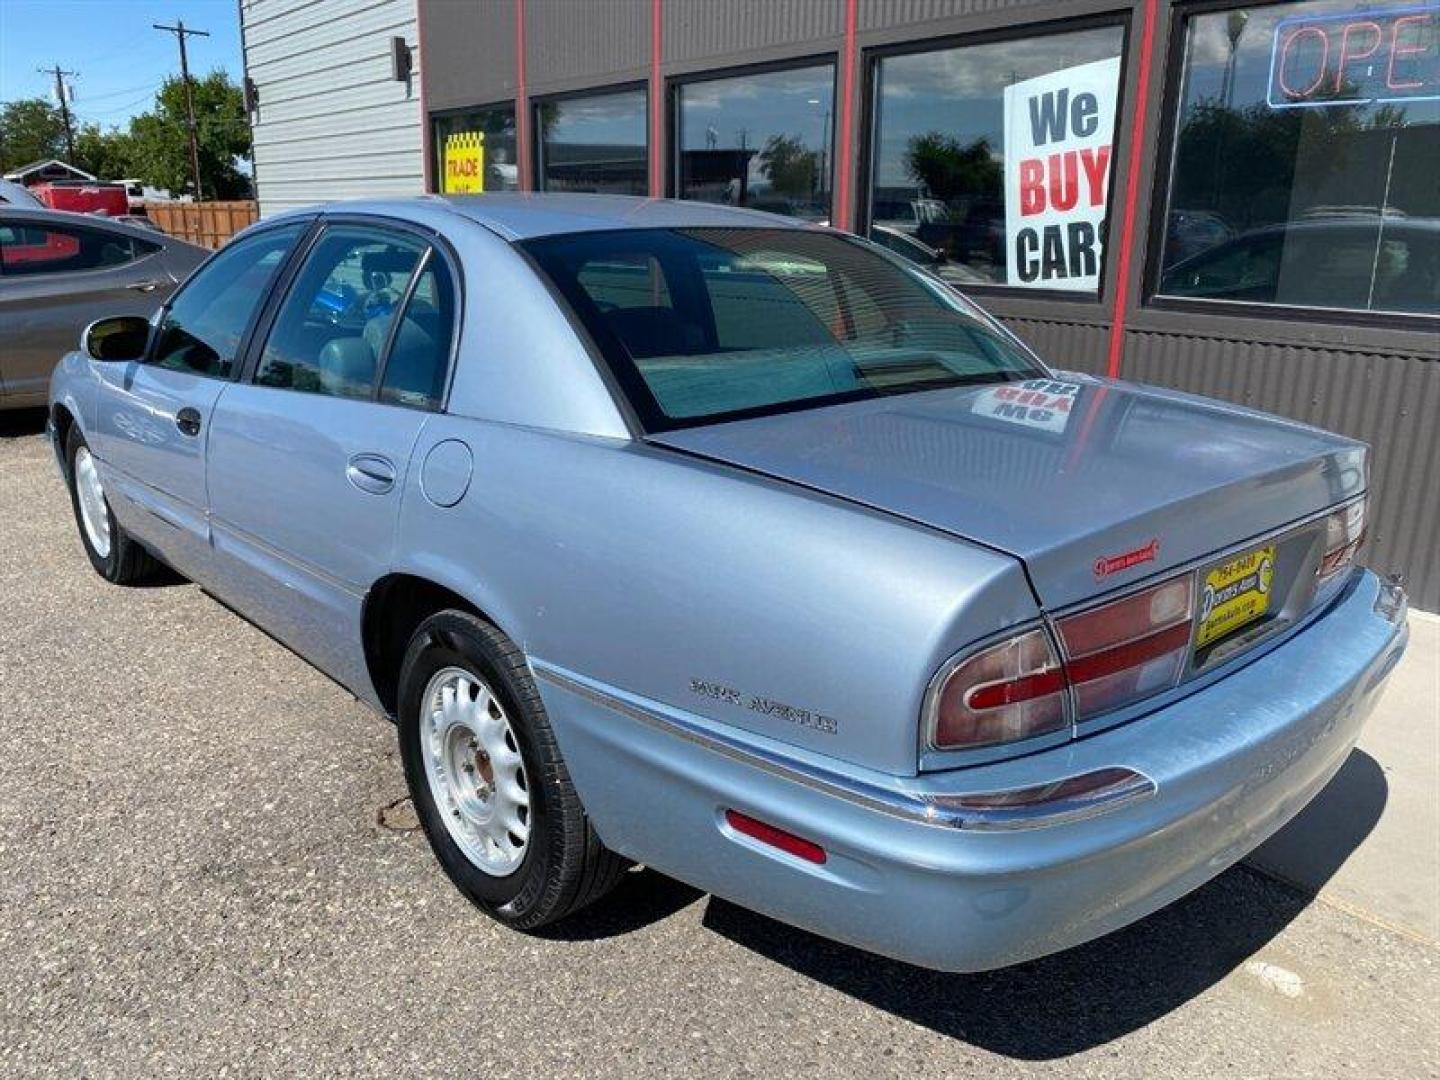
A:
116	556
487	779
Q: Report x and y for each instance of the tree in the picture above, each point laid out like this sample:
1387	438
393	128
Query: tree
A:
159	149
31	129
106	154
951	170
791	169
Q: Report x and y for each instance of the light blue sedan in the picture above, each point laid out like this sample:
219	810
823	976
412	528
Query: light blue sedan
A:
695	537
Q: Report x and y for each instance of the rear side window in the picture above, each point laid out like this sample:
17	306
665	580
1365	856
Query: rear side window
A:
31	248
341	333
419	358
203	326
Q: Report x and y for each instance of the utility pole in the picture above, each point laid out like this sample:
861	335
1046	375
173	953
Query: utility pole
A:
62	96
180	35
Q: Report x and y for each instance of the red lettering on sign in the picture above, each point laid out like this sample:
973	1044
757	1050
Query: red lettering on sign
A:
1056	182
1320	69
1064	181
1097	164
1411	50
1032	187
1346	55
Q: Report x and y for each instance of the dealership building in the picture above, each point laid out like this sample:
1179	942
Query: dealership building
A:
1242	201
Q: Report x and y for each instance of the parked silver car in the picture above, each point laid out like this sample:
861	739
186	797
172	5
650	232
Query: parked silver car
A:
60	271
741	548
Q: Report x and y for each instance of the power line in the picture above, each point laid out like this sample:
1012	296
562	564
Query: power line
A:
180	35
62	95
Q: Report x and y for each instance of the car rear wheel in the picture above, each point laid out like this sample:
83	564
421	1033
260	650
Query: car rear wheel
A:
487	779
116	556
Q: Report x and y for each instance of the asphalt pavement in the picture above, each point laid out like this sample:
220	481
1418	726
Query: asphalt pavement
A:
207	867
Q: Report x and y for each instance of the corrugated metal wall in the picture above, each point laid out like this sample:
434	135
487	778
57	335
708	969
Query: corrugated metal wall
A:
468	50
331	123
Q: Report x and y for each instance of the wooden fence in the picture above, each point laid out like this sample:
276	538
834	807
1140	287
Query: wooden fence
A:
209	224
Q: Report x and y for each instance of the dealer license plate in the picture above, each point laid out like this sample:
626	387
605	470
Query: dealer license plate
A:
1235	593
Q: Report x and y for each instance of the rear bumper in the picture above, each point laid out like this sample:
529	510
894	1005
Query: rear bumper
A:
911	876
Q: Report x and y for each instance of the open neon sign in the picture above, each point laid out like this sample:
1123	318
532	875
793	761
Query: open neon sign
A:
1356	59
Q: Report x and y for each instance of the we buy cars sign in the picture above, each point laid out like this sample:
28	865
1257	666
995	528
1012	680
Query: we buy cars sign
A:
1058	132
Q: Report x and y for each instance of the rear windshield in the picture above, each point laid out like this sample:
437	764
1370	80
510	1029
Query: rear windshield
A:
703	325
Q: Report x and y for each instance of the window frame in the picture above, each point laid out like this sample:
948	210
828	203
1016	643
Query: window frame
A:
1167	135
437	151
281	275
869	142
676	83
44	223
537	140
433	244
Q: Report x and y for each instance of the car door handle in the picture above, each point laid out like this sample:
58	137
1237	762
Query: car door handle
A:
371	472
145	286
188	421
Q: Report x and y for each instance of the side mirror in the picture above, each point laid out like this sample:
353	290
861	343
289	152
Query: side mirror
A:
120	337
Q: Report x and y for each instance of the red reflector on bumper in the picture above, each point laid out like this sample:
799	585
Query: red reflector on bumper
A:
776	838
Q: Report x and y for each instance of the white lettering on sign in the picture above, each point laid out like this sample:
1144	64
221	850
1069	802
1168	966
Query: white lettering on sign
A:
1058	131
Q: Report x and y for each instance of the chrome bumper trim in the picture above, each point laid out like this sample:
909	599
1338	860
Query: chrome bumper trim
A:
1063	800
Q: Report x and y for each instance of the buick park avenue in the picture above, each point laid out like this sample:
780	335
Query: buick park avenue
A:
689	536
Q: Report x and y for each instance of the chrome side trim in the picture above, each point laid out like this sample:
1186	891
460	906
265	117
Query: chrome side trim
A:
1065	799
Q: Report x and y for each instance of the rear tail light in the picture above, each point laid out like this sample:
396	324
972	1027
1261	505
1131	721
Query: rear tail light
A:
1114	654
1014	690
1108	656
1129	648
1344	532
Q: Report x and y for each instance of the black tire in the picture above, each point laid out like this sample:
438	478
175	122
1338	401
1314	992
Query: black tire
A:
127	562
564	866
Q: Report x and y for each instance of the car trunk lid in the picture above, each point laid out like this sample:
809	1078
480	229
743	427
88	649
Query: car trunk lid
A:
1093	484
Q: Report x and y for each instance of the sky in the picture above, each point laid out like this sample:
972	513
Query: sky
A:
121	60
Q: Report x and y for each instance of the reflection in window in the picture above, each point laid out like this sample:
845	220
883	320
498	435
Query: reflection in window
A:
419	356
710	323
205	323
333	327
762	141
475	151
992	162
46	248
1306	155
594	143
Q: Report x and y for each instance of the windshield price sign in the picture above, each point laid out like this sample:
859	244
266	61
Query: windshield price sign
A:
1356	59
1058	129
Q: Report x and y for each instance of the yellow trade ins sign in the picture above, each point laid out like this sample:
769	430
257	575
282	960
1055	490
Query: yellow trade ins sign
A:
464	163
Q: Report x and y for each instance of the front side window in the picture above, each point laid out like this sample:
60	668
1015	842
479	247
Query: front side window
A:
594	143
34	247
1307	148
700	325
762	141
475	151
204	324
992	162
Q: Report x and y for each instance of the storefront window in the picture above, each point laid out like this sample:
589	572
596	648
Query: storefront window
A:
1306	158
594	143
762	141
993	162
475	151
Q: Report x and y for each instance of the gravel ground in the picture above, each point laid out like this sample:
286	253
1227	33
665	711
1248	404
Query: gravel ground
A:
199	875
